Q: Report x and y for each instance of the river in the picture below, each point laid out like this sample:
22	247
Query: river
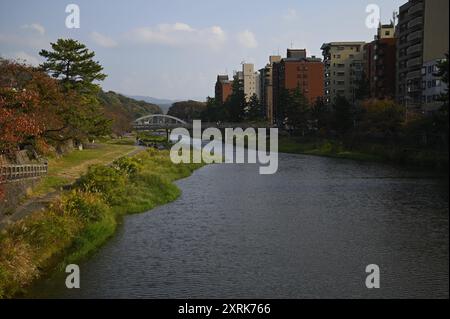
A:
308	231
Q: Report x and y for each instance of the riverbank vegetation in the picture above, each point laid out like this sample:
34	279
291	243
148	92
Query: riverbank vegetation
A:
64	170
366	129
83	218
48	109
378	130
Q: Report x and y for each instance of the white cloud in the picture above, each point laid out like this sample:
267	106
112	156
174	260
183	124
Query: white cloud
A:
35	27
103	40
180	35
31	35
247	39
24	57
290	15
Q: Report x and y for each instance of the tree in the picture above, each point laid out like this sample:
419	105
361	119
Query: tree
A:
363	88
284	101
297	111
320	115
255	109
381	117
187	110
214	111
342	115
236	103
24	98
73	64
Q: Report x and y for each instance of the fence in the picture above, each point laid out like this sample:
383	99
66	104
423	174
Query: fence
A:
18	172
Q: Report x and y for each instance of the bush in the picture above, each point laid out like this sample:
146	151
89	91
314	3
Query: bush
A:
128	165
107	181
87	206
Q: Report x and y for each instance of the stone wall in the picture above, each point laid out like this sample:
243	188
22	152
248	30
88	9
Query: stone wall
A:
16	191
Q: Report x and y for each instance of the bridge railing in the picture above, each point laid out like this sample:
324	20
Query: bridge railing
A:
18	172
139	126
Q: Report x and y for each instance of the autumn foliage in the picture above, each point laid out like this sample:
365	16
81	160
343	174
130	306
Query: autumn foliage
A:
21	117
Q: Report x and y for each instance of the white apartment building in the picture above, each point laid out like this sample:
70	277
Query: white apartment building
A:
343	63
250	81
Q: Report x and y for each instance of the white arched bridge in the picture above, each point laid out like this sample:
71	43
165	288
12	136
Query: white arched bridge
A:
156	122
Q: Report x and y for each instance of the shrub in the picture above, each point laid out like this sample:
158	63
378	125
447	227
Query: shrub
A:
107	181
88	206
128	165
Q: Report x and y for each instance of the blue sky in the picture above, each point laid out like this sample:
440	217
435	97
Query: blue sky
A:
175	48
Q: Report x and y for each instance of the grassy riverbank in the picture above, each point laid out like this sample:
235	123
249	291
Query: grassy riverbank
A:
66	169
82	219
420	158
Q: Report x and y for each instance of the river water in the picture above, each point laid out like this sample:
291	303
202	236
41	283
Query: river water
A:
308	231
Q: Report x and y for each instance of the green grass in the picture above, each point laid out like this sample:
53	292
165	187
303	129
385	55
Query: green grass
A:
325	148
420	158
122	141
66	169
149	136
82	220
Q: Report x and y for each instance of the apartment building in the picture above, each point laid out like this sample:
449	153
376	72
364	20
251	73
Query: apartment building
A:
410	53
423	31
304	73
266	87
250	81
380	63
436	35
224	88
343	69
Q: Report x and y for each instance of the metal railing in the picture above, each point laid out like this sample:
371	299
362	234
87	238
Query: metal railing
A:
18	172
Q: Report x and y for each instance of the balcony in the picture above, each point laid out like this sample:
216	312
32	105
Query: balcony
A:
415	22
414	63
414	75
415	9
414	49
415	36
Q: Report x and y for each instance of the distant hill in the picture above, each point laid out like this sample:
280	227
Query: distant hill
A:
123	110
153	100
187	110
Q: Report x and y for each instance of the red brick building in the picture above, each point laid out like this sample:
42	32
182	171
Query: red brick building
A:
224	88
304	73
380	63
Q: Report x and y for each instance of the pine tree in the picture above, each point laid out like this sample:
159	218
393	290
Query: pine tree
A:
73	64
